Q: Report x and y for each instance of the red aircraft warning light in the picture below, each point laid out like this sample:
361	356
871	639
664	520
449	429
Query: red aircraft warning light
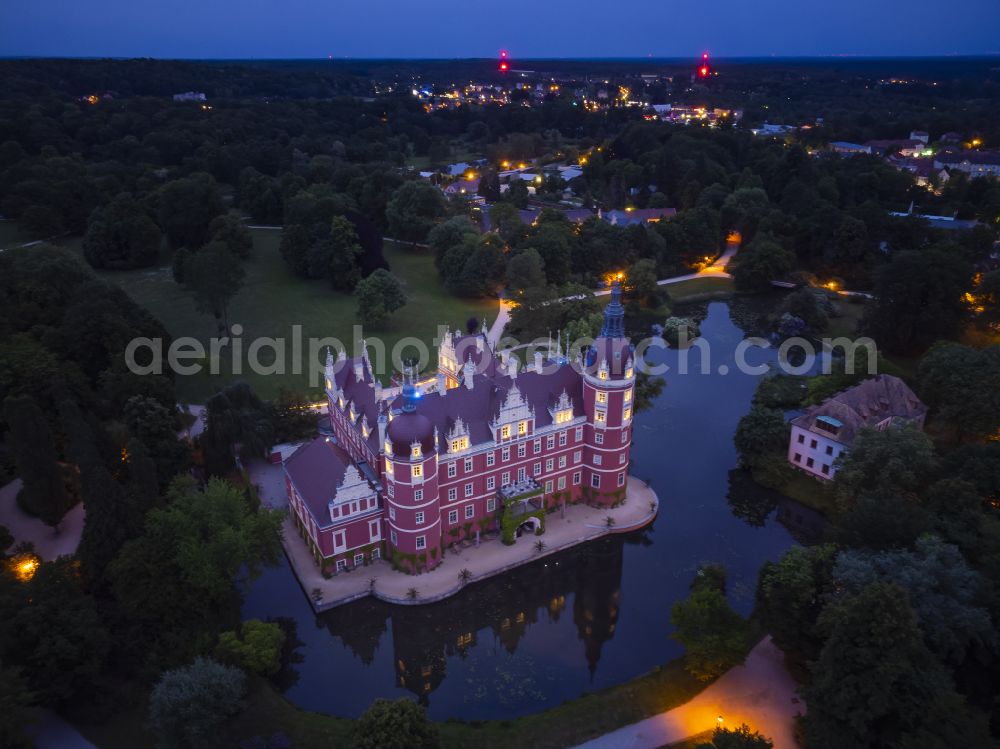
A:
503	53
704	70
504	66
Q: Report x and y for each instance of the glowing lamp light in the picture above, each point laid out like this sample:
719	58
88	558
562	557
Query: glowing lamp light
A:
503	53
25	568
704	71
504	66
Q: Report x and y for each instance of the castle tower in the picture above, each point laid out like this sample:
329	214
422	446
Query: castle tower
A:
411	477
608	398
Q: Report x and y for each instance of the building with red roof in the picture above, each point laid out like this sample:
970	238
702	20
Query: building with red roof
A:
488	448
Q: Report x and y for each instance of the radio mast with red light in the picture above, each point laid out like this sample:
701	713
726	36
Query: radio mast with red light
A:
504	65
705	70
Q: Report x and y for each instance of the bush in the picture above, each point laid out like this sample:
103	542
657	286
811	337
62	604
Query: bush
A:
188	705
399	724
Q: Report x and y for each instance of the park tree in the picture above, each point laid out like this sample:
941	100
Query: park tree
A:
379	296
395	724
896	462
51	630
193	555
790	597
121	235
760	262
505	219
740	737
554	243
235	416
942	589
156	427
483	271
744	209
337	255
255	646
296	239
640	282
489	183
918	299
715	637
877	684
187	207
805	304
214	276
525	270
517	193
43	493
188	705
413	210
961	385
17	709
760	434
449	234
229	229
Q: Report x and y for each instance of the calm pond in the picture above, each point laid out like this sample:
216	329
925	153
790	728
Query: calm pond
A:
586	619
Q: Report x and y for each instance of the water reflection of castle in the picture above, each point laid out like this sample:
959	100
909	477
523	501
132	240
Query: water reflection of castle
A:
425	637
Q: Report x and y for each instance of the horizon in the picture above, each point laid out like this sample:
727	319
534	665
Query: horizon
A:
447	29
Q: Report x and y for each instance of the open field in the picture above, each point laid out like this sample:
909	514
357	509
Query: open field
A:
267	712
273	300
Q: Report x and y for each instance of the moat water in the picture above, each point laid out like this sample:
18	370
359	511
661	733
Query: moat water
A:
576	622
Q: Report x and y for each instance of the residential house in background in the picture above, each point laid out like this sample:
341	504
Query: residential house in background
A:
824	432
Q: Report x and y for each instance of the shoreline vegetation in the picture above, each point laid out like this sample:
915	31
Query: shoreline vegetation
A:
588	716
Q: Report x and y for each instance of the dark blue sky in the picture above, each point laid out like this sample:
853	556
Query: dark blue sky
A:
478	28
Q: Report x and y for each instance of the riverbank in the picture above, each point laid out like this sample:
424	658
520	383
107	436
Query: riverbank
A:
564	529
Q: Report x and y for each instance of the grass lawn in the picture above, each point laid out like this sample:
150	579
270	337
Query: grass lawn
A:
568	724
273	300
700	289
847	323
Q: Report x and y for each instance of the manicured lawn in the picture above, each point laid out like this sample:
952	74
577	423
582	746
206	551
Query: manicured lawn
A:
700	289
273	300
568	724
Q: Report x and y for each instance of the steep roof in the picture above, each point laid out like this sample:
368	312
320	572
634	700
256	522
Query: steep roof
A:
864	405
476	407
361	393
317	469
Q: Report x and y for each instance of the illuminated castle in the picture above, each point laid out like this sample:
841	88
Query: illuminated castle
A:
485	448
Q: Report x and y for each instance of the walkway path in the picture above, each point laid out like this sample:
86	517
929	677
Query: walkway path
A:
580	524
759	693
49	543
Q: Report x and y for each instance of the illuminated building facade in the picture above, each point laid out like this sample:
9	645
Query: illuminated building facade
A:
486	447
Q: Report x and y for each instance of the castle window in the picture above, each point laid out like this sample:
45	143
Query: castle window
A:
491	483
469	511
562	461
392	538
452	494
521	450
576	478
505	454
505	432
359	559
390	490
453	517
548	486
419	518
600	417
628	395
562	482
415	451
538	446
452	470
621	479
388	447
418	495
538	470
522	428
550	442
491	458
621	459
491	505
549	464
579	434
505	478
564	415
392	512
468	465
627	413
418	471
468	489
602	396
598	438
628	373
597	459
388	466
595	480
562	439
421	542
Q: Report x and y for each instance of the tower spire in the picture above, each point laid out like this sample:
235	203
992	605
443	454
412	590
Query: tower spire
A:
614	314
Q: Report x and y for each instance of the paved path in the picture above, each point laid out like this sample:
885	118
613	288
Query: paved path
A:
759	693
49	543
581	523
52	732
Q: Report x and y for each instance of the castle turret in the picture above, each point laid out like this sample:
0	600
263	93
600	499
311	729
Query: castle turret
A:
608	397
412	483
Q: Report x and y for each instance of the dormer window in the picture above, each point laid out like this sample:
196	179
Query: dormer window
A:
388	447
415	451
603	374
522	428
564	415
505	432
628	373
458	444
